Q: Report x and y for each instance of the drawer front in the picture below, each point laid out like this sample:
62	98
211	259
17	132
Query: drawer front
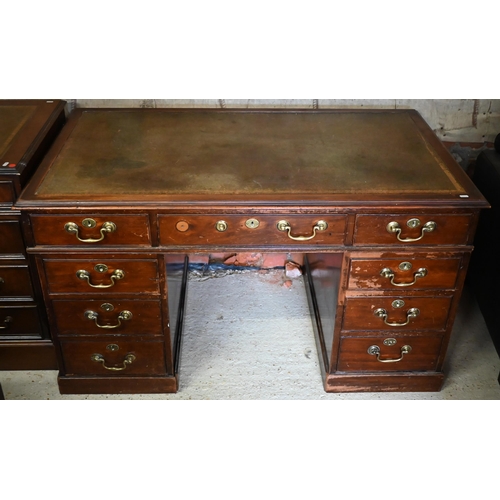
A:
412	229
375	354
19	322
108	316
112	358
15	281
261	230
11	239
100	230
409	272
396	313
102	276
7	195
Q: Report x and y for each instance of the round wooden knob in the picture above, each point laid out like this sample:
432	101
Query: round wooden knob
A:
182	226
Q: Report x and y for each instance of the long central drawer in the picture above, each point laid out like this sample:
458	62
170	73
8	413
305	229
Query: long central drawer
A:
255	229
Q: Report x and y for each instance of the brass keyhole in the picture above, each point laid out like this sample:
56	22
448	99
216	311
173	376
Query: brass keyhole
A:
413	223
405	266
112	347
101	268
252	223
107	307
398	304
88	223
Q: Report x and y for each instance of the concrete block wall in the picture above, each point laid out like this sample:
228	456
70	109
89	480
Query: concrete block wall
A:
453	120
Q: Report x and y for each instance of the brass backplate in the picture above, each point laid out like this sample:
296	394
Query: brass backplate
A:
221	226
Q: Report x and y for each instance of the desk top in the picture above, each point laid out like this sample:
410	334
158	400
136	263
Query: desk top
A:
12	118
23	126
325	157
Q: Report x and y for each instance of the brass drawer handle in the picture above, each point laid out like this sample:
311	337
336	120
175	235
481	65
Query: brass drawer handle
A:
7	322
99	358
1	280
123	316
374	350
85	275
107	227
389	274
283	225
394	227
410	314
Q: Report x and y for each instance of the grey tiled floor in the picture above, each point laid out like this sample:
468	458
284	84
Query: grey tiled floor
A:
249	337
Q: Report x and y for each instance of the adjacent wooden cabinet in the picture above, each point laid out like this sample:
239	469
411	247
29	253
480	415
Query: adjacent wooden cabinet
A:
27	129
384	216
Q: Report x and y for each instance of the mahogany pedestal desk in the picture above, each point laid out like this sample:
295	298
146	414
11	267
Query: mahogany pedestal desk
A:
27	128
384	216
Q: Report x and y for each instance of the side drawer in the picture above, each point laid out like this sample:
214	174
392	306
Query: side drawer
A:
19	322
398	353
113	358
7	195
102	276
396	313
412	229
408	272
255	229
15	281
101	230
108	316
11	239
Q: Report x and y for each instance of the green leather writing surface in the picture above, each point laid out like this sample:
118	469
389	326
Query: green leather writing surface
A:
267	153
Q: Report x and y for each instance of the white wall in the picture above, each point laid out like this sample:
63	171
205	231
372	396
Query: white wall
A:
466	120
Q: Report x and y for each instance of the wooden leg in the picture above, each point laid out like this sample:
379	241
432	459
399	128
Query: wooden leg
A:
1	393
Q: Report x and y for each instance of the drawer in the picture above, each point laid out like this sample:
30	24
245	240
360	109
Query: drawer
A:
113	358
15	281
108	316
19	322
397	353
11	239
396	313
412	229
102	276
260	230
408	272
7	195
101	230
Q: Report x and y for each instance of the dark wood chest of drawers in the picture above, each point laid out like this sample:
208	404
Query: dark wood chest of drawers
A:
384	216
27	129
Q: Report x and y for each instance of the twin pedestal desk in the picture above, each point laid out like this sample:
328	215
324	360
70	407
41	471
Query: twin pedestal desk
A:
384	216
